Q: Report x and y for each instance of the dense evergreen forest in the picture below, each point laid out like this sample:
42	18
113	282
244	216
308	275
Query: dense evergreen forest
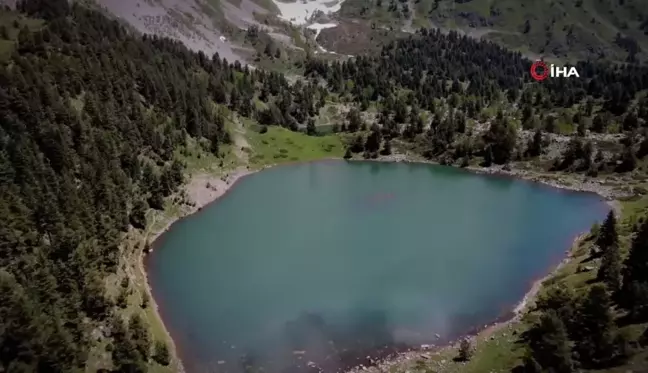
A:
91	117
426	62
456	78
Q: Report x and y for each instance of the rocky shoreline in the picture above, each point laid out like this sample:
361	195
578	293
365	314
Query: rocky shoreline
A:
609	189
577	183
426	352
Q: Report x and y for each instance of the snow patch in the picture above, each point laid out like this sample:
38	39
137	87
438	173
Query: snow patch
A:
318	27
301	11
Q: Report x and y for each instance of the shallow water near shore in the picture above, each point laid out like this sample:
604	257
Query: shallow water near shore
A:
317	266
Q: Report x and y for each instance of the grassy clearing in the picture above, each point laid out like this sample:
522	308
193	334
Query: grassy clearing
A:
280	145
200	161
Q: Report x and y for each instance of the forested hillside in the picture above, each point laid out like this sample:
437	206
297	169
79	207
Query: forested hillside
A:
93	120
437	91
583	29
90	116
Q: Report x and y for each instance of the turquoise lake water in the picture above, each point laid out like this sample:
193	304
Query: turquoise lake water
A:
318	265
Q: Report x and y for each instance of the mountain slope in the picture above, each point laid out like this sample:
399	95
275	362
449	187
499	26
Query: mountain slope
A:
200	24
581	29
97	127
100	126
263	33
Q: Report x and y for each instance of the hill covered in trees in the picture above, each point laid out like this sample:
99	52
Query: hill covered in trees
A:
94	121
583	29
455	99
90	119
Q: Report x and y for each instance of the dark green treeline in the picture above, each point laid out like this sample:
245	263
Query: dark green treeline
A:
455	78
586	330
90	116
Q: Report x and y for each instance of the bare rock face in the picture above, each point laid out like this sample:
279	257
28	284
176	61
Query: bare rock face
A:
199	24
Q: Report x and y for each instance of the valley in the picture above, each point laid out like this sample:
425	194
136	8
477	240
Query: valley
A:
108	137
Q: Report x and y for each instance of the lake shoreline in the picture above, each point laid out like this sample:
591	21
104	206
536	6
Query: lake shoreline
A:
203	190
558	180
482	332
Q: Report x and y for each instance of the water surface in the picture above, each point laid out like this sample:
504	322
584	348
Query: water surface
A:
323	263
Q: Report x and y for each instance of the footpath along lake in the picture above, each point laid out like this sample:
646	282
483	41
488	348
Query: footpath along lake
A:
318	265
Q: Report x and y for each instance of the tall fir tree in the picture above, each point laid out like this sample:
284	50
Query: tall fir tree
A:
634	293
549	344
608	235
610	270
594	340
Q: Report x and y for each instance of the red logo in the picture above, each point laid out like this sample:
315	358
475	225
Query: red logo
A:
539	76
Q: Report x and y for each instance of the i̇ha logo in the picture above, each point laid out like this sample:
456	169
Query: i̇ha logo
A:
540	71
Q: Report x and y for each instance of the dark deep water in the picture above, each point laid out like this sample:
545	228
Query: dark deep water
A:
328	262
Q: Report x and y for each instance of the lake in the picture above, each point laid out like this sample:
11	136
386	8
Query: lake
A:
318	265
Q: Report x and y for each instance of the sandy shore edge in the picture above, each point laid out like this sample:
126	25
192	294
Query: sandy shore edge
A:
203	189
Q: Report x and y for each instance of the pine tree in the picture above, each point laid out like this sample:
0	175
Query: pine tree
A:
125	355
501	136
139	334
610	270
465	350
561	300
608	235
598	125
530	365
488	157
535	145
594	231
156	199
161	354
549	345
550	124
357	145
386	150
355	121
138	214
628	160
348	154
372	145
214	144
595	328
311	130
4	32
634	293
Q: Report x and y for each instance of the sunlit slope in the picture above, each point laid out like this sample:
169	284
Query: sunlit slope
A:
611	29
